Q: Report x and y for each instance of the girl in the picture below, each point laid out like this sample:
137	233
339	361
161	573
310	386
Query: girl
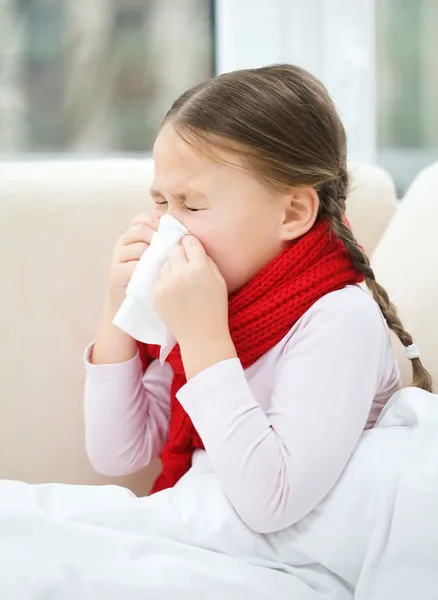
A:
282	359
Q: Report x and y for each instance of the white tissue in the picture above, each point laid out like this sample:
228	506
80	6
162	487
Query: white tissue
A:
137	316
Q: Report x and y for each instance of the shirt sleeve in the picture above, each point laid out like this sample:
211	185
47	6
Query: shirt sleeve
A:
126	414
277	465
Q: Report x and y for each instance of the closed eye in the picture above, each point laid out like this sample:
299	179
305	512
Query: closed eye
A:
164	203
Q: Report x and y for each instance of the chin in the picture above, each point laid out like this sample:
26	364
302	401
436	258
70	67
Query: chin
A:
235	281
234	285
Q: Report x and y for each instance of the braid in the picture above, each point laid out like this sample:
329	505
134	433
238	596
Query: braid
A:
333	200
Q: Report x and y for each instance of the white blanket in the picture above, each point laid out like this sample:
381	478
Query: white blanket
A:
375	537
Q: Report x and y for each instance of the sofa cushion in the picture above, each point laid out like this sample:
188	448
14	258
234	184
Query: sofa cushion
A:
405	263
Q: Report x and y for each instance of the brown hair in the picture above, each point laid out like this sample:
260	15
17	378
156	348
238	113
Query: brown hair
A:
281	120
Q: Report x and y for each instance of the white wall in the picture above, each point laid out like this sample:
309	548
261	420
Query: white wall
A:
333	39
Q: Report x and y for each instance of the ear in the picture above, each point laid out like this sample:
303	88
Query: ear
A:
300	210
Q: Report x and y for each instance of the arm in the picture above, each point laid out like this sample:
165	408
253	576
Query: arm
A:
276	466
126	414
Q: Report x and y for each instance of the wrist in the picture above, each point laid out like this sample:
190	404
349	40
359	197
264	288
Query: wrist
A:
198	354
112	345
110	307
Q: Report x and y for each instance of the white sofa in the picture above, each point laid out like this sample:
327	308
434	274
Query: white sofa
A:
406	263
58	223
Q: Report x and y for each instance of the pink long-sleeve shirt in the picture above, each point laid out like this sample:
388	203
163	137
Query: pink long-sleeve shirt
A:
277	434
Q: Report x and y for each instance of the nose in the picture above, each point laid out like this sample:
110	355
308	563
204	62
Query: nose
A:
176	212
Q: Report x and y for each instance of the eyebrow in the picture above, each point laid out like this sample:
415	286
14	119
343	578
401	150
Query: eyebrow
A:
181	196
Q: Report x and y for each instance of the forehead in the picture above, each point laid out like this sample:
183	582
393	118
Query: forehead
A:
180	163
172	153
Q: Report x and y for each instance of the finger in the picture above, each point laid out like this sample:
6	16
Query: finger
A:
216	271
194	250
214	266
132	252
165	269
138	233
177	257
127	271
144	219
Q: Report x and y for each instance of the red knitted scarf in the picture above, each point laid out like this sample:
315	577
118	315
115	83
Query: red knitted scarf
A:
260	315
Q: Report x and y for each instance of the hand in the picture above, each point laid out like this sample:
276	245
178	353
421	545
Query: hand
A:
127	252
192	299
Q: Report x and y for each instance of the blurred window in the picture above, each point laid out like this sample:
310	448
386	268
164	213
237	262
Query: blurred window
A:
407	86
96	76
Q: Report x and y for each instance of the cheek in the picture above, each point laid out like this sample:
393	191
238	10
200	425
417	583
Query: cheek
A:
215	243
221	245
240	248
235	255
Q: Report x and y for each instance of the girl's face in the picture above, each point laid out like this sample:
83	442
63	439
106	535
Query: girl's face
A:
241	223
